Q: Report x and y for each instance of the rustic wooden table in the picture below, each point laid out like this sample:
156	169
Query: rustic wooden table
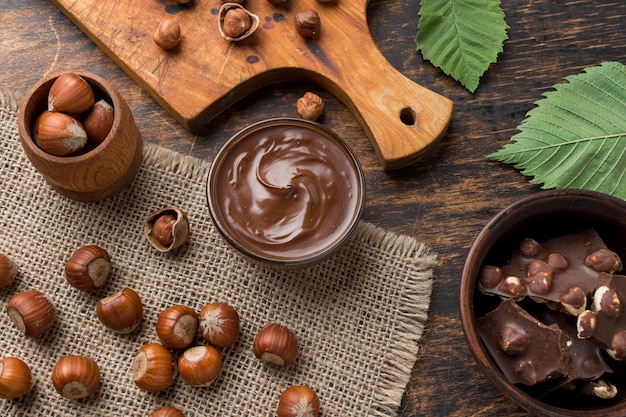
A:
444	200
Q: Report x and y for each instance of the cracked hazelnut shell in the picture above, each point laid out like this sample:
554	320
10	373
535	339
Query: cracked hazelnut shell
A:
167	229
234	15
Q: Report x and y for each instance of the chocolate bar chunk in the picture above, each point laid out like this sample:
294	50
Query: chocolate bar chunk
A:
605	321
561	270
527	351
586	354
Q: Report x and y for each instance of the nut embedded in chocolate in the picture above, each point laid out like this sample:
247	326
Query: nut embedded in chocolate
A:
513	340
606	301
618	346
604	260
586	324
541	283
513	287
539	267
490	277
530	248
557	261
575	297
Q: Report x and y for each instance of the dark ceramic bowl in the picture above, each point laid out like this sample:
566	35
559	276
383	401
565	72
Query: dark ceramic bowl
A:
541	216
287	193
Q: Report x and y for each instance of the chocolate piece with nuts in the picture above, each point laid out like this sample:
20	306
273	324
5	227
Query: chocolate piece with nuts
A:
527	351
586	354
561	270
605	321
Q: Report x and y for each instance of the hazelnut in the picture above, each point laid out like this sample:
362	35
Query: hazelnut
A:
70	94
121	312
75	376
604	260
310	106
489	277
540	283
277	344
557	261
526	370
235	22
586	324
512	286
618	346
31	312
513	340
297	401
59	134
574	300
167	229
153	368
99	121
219	324
16	378
600	389
529	248
607	302
167	411
8	270
200	365
177	327
537	267
167	34
88	268
308	23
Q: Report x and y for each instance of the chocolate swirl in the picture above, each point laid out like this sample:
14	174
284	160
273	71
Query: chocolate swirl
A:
287	191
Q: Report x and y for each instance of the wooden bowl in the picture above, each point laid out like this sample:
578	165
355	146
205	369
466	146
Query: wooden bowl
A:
98	173
286	193
541	216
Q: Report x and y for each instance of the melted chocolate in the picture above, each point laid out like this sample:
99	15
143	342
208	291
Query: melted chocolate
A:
286	191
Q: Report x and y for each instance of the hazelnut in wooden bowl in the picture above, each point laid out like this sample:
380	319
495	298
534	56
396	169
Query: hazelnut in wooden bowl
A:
286	192
79	133
542	303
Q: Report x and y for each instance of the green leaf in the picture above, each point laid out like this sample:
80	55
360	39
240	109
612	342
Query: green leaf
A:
575	137
462	37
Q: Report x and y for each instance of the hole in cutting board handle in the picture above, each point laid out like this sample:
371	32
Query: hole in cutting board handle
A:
407	116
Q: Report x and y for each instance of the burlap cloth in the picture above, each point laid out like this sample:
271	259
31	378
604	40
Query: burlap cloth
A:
359	316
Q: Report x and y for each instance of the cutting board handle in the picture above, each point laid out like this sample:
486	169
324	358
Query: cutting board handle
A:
402	119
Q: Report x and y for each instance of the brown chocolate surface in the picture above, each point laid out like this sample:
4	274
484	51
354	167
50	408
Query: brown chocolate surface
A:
549	270
527	351
609	328
586	355
286	191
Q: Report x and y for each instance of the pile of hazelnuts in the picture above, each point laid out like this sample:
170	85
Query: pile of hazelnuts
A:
178	327
75	120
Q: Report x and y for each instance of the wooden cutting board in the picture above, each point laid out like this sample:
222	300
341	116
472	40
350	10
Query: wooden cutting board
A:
206	74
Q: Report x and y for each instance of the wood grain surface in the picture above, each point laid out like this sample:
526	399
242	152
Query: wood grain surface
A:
205	73
444	200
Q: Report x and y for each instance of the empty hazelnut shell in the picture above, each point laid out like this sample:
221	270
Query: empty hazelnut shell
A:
167	228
